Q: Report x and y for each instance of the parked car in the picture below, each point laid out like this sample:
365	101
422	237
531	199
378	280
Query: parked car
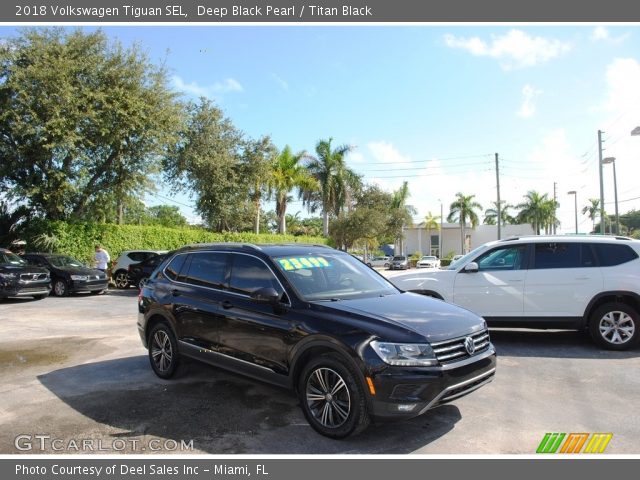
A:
139	273
316	320
399	262
120	269
69	275
428	261
568	282
19	279
377	262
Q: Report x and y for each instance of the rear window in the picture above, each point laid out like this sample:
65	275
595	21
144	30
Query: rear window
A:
614	254
208	269
562	255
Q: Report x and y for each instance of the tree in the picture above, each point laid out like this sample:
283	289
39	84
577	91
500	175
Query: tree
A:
592	210
491	214
79	116
401	213
336	182
287	174
166	216
534	210
207	162
11	221
257	161
461	210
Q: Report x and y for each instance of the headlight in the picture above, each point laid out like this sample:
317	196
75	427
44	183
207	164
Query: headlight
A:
79	277
7	276
405	354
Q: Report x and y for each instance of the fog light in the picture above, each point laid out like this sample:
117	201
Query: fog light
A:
406	407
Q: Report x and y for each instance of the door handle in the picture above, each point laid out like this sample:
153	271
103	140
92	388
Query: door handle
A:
227	305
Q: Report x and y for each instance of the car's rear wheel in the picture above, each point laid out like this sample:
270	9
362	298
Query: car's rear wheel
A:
121	279
332	398
142	282
60	288
614	326
163	351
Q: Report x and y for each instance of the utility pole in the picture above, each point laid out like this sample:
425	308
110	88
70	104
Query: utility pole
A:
498	189
555	202
602	220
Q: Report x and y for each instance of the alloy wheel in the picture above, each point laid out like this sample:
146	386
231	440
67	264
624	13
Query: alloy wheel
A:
328	397
617	327
121	280
161	351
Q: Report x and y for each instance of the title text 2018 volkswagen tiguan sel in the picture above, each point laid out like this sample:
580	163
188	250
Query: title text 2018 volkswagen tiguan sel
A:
314	319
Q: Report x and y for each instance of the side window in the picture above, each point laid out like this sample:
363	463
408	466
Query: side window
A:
562	255
173	269
610	255
249	274
503	258
137	256
208	269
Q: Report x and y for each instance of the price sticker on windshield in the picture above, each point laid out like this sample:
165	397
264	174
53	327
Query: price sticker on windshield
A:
299	263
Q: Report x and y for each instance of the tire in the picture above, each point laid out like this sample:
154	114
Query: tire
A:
121	279
614	326
163	351
142	282
332	397
60	288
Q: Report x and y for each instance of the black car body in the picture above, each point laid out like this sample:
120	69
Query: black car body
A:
314	319
19	279
139	273
69	275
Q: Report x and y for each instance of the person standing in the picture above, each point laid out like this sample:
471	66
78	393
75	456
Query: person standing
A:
102	258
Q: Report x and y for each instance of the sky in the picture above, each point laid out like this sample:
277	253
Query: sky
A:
427	104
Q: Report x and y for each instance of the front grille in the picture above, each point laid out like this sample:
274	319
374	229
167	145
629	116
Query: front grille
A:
467	388
32	289
454	350
33	277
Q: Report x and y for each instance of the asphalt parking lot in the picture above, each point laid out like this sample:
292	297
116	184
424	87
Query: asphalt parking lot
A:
76	379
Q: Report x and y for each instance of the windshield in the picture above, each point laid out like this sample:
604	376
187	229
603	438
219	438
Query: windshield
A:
399	259
332	276
463	260
8	258
62	261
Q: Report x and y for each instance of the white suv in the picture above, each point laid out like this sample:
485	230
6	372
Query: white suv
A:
120	269
572	282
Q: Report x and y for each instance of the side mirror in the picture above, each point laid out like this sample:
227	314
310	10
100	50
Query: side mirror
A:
471	267
266	295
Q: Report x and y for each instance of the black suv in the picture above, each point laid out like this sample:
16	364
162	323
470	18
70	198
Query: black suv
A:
315	319
69	275
19	279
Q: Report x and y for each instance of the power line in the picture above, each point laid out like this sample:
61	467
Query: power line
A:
435	159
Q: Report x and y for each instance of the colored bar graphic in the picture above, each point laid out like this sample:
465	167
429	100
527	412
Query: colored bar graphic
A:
598	443
550	443
574	442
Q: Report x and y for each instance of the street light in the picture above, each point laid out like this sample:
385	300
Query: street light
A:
575	198
615	189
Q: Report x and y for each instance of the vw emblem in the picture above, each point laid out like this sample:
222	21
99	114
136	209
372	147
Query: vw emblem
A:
469	345
35	276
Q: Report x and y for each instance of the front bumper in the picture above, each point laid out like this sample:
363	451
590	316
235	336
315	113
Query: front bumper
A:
403	392
25	289
88	285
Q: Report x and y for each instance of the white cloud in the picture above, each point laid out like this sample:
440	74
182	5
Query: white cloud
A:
515	49
601	33
193	88
385	152
281	82
623	84
528	108
356	157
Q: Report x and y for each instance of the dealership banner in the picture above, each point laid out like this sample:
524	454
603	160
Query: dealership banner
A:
314	469
316	11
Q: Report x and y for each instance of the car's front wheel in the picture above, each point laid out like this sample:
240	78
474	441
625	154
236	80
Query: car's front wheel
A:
332	398
121	279
614	326
60	288
163	351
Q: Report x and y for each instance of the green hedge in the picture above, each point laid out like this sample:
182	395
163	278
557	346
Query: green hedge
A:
79	239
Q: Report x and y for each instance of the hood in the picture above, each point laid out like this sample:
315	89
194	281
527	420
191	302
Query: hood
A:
80	270
432	319
18	269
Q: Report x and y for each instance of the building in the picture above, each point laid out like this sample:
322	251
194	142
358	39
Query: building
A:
427	242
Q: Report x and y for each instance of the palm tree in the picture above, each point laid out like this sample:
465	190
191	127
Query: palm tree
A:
401	213
431	222
534	210
592	210
491	214
336	181
287	173
549	219
461	210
